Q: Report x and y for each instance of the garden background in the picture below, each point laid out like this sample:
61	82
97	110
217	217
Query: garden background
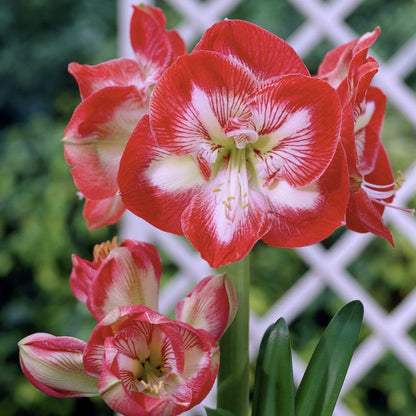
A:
41	222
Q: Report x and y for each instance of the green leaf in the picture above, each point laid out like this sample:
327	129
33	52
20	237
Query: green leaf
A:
325	374
274	392
217	412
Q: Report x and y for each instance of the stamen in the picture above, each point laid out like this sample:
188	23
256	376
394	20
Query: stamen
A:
101	251
379	193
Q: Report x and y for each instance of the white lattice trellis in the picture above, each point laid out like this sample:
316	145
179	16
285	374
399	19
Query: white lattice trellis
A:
327	267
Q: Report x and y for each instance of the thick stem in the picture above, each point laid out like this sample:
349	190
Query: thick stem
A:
233	377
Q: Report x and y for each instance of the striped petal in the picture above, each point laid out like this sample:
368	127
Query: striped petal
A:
298	121
304	216
211	305
153	48
54	365
226	219
154	184
129	275
246	43
194	100
95	138
121	72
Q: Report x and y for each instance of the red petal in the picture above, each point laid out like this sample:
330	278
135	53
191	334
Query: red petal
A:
194	100
103	212
258	50
54	365
119	72
129	275
154	184
298	119
305	216
221	229
211	305
150	43
96	136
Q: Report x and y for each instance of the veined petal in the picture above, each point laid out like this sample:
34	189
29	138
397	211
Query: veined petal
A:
211	305
368	125
95	138
304	216
54	365
246	43
226	219
130	275
364	213
121	72
83	272
298	120
195	98
154	184
151	46
101	212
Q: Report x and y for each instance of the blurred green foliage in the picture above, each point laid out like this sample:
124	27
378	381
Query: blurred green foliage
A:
41	222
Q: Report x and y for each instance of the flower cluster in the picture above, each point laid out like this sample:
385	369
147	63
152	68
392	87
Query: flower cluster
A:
233	142
138	360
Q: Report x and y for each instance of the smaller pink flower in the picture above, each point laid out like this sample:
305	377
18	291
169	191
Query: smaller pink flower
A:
54	365
115	95
148	364
119	275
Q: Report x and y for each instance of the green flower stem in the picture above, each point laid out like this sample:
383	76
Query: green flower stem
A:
233	377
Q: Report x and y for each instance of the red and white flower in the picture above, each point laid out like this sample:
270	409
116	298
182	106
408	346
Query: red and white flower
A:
372	188
54	365
229	157
141	362
119	275
115	95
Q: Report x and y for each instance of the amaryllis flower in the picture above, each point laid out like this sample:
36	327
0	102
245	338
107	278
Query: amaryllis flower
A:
115	96
372	188
119	275
141	362
227	159
54	365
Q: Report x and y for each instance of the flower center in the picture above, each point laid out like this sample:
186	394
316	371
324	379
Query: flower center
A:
151	380
232	192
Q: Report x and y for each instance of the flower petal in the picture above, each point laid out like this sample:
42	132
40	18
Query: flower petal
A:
95	138
153	48
298	120
194	100
211	305
83	273
121	72
154	184
129	275
304	216
54	365
246	43
223	226
99	213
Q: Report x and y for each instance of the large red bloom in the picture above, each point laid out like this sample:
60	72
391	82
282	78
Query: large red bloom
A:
236	151
115	96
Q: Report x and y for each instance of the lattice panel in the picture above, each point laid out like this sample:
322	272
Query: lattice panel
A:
327	267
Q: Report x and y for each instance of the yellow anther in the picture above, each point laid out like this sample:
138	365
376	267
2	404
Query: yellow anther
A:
216	190
101	251
245	194
153	388
227	204
244	205
399	180
229	198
